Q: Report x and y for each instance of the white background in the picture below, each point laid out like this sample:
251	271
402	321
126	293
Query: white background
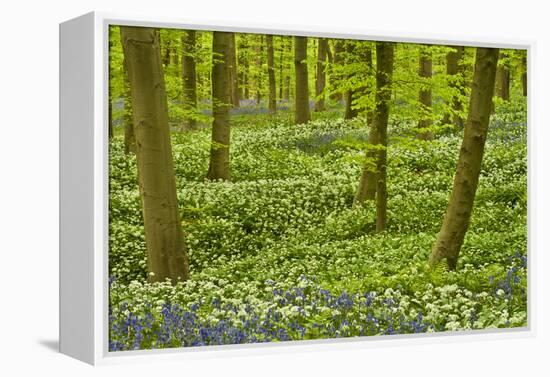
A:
29	186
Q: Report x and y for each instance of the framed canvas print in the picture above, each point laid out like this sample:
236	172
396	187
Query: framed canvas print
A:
230	187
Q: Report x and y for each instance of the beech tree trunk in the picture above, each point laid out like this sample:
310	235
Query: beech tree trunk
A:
350	112
330	58
243	60
246	80
287	45
425	93
301	99
524	73
110	118
166	56
286	91
272	100
166	249
175	57
384	73
459	209
502	85
233	73
221	103
281	69
321	78
336	62
129	136
259	77
189	76
456	80
111	99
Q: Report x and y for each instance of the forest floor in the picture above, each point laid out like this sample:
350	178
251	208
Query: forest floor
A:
280	253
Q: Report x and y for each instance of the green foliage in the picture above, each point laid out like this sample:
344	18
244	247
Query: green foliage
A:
288	213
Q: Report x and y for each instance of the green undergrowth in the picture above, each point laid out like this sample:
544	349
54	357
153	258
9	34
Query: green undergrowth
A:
288	214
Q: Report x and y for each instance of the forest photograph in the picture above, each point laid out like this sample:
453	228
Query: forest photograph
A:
268	188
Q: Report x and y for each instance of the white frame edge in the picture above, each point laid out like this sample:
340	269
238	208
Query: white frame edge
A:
84	191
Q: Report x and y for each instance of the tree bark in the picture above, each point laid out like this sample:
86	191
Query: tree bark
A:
321	78
336	62
110	105
502	86
425	93
221	103
166	57
281	68
189	76
110	117
272	100
301	99
243	61
457	82
166	249
459	209
129	136
330	57
175	57
259	63
233	72
384	73
524	73
286	91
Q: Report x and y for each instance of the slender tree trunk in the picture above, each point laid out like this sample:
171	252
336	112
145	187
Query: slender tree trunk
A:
233	73
259	63
110	116
456	80
244	63
330	58
336	62
502	85
203	78
272	101
221	102
384	73
524	73
166	249
301	99
246	90
111	99
459	210
175	57
281	69
166	57
368	181
425	93
350	112
189	75
321	78
329	67
286	92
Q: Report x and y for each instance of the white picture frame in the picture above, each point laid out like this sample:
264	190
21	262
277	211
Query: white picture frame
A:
84	192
